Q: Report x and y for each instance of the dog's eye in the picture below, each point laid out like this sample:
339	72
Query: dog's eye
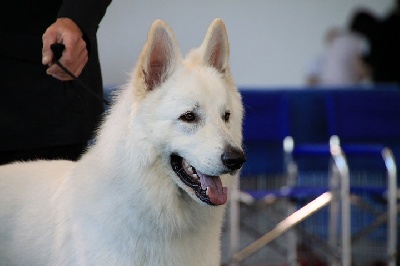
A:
189	116
226	116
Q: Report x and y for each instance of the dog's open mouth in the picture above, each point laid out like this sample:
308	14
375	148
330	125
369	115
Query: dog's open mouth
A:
208	189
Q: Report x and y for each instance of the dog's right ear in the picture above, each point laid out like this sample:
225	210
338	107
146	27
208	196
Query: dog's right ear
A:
159	57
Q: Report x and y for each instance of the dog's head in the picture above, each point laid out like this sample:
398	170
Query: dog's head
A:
192	110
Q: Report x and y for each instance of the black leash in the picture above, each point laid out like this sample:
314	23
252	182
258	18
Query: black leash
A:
57	49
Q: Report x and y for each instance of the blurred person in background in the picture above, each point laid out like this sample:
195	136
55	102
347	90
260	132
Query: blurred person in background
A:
344	61
385	49
313	70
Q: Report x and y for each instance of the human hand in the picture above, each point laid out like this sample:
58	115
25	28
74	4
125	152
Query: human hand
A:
75	55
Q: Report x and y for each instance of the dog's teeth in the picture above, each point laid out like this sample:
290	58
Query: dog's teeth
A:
187	166
207	191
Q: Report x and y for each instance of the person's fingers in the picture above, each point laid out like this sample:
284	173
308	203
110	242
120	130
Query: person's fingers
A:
76	61
56	72
48	38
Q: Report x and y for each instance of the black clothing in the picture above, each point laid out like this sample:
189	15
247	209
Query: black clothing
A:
69	152
36	110
385	51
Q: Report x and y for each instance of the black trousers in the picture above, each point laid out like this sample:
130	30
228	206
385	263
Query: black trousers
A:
69	152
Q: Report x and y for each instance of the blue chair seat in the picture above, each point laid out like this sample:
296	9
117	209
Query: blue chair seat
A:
296	193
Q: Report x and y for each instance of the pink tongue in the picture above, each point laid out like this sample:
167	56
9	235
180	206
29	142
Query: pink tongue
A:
216	192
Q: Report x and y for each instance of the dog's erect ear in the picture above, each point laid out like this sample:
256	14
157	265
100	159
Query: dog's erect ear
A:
216	46
159	56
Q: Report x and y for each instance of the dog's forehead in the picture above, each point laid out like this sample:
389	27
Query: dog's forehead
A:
206	87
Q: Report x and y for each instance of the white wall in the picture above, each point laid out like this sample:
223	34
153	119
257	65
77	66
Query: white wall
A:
271	40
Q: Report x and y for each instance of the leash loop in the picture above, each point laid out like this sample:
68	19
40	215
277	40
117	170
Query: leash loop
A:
57	49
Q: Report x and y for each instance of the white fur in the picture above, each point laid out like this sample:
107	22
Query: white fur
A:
122	204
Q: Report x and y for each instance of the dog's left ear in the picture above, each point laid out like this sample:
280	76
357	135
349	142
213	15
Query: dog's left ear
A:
216	46
159	56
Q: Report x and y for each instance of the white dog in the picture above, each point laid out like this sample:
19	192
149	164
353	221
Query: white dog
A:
151	190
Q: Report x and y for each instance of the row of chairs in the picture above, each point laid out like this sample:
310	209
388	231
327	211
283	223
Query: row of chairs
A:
360	121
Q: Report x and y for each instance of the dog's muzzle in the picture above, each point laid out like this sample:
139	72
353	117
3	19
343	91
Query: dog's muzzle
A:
208	189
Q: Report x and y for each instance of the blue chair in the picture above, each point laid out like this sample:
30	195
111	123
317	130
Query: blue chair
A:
336	194
368	125
263	131
266	129
263	134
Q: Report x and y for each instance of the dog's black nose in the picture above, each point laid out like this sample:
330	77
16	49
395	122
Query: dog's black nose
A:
233	158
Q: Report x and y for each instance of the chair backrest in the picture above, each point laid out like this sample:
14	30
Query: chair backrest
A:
266	115
365	116
366	121
265	125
